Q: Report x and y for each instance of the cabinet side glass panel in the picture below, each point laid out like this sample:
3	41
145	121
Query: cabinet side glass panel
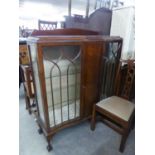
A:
33	50
62	66
109	67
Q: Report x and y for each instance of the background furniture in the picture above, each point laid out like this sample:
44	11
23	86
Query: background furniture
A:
46	25
23	57
66	72
28	86
118	112
99	20
25	75
23	53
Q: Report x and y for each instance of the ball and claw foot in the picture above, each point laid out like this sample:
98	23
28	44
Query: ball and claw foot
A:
40	131
49	147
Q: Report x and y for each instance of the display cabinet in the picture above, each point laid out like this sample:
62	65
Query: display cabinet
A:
66	72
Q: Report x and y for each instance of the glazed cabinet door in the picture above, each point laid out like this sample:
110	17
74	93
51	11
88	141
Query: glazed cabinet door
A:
60	76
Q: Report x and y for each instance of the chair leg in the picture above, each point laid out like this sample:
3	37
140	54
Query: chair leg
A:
133	123
123	140
93	121
28	106
26	100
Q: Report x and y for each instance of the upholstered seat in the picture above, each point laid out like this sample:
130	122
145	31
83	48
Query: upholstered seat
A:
119	107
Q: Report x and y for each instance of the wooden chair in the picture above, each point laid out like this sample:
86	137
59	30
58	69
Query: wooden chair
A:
28	87
117	111
46	25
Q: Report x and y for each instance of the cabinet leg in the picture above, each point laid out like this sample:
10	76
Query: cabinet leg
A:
40	131
49	146
28	106
93	121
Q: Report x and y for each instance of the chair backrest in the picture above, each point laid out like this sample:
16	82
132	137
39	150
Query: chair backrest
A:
46	25
125	78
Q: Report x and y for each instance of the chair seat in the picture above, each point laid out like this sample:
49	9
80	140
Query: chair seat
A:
120	107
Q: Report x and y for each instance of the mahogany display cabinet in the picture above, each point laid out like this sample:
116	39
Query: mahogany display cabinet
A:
67	74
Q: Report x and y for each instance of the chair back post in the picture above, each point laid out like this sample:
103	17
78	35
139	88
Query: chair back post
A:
124	78
117	79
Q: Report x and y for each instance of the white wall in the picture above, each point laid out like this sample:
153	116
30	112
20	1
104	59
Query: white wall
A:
123	26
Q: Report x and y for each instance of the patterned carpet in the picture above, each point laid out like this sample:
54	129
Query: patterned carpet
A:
76	140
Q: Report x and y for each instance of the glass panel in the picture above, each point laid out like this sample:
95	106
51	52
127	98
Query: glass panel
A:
62	76
37	82
109	66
